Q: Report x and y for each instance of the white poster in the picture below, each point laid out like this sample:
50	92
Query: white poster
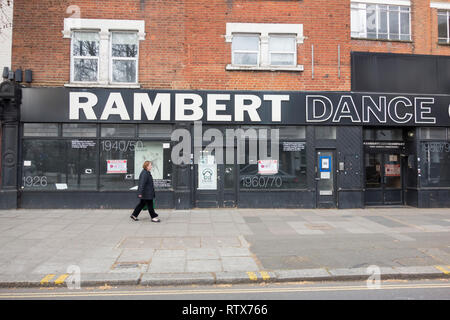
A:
153	152
207	173
267	166
116	166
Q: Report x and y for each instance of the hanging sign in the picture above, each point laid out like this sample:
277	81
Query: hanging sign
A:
116	166
325	163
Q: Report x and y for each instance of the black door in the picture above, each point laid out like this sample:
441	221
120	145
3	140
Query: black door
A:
383	179
215	184
325	179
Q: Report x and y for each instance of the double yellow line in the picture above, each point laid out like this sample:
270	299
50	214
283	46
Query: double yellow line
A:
253	276
49	277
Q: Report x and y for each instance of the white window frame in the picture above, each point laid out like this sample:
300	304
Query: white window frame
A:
111	59
73	57
258	53
265	30
104	27
446	40
362	8
289	36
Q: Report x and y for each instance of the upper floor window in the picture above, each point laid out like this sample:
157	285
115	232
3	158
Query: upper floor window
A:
259	46
383	21
104	52
444	26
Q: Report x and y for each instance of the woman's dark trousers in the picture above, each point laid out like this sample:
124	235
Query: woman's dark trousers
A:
141	204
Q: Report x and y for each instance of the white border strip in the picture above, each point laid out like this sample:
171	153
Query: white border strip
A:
264	29
440	5
105	25
391	2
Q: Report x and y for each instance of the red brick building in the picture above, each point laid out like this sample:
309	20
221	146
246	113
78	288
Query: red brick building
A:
233	47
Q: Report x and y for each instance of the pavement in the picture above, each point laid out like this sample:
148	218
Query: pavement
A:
40	248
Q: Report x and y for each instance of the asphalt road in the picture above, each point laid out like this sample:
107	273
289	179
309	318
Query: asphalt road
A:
388	290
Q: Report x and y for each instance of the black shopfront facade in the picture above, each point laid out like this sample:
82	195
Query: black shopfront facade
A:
83	148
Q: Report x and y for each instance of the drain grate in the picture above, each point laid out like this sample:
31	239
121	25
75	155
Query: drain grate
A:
314	226
126	265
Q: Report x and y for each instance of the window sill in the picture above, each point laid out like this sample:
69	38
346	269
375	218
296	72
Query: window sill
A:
382	40
99	85
443	44
297	68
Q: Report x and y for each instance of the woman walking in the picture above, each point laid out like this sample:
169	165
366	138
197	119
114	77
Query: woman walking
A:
146	193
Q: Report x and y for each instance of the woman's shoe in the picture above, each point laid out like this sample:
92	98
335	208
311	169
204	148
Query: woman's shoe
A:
134	218
155	220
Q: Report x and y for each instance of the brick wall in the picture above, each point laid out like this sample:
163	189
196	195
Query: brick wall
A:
185	46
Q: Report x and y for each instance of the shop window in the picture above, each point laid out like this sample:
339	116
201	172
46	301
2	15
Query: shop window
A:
444	26
433	133
289	172
40	130
124	57
118	130
383	134
325	132
121	163
79	130
380	21
59	165
260	46
435	157
155	131
85	56
292	132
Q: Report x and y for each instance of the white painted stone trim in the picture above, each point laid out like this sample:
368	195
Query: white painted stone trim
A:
104	25
231	67
391	2
440	5
264	29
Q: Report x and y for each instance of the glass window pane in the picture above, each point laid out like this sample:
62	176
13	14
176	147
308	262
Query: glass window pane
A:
292	132
124	45
433	133
442	26
79	130
389	134
121	164
369	134
245	43
393	22
40	130
371	21
435	169
59	165
382	22
373	170
392	171
85	69
85	44
325	132
118	130
124	71
282	44
246	58
155	130
282	59
404	23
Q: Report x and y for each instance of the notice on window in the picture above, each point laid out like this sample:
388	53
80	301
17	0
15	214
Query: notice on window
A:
392	170
149	151
207	176
293	146
267	167
116	166
77	144
325	175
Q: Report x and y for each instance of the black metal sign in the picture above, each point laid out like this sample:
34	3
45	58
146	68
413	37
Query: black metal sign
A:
236	107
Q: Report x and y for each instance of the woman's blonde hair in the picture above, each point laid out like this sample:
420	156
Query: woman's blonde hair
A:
145	165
